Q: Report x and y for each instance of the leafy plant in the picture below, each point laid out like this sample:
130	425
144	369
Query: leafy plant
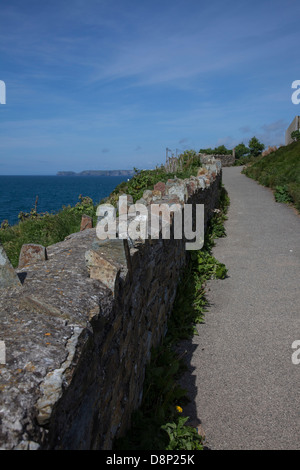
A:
182	436
295	135
282	195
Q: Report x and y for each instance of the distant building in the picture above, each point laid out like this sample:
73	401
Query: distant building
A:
294	126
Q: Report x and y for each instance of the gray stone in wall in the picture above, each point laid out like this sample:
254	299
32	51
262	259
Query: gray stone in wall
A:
8	276
106	259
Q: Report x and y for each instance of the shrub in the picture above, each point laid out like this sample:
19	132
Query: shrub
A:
295	135
45	229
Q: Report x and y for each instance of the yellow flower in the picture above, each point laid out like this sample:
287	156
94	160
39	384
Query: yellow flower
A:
179	409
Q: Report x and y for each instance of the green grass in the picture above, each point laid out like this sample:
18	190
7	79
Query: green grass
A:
280	171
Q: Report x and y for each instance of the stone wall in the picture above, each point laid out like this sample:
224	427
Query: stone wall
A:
79	329
226	160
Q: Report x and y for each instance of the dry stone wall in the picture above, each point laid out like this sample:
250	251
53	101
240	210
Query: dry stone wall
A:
226	160
79	328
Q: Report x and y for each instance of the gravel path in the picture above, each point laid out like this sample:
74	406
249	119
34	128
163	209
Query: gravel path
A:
243	385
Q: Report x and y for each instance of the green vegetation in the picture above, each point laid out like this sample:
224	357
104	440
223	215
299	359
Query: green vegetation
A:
280	171
282	194
255	147
243	154
45	229
159	424
295	135
221	150
146	179
241	150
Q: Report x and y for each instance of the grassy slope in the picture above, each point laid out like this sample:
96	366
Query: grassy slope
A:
279	169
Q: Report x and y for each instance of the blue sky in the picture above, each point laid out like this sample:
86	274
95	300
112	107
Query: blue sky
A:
108	84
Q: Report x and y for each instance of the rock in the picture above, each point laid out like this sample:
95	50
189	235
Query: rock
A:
202	184
202	171
179	190
141	201
105	260
31	253
8	276
102	269
86	222
156	195
147	195
210	167
160	186
191	187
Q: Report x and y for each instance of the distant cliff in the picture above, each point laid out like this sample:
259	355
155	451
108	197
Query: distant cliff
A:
97	173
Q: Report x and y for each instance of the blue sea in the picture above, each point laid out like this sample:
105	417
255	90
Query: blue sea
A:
18	193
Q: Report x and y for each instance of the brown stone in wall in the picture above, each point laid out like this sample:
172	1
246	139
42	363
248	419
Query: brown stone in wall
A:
160	186
31	253
86	222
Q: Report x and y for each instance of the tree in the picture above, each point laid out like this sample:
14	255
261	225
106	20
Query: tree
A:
295	135
208	151
222	150
241	150
255	147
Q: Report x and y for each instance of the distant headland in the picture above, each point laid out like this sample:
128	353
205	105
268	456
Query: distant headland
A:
97	173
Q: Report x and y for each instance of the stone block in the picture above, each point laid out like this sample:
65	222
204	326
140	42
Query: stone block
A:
160	186
191	187
8	276
141	201
201	180
86	222
147	196
31	253
156	195
179	190
101	269
211	167
113	249
202	171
